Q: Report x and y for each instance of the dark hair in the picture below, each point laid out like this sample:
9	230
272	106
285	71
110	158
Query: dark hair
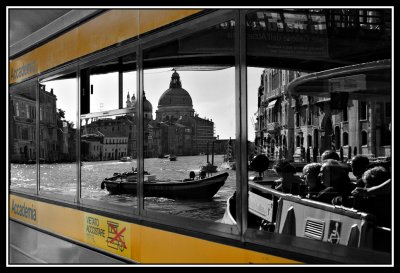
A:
284	166
359	163
329	154
336	173
312	168
375	176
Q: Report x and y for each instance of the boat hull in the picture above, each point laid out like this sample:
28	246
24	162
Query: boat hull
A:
187	189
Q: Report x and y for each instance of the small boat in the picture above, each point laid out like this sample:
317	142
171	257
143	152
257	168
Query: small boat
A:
125	159
172	158
191	188
229	158
209	168
228	165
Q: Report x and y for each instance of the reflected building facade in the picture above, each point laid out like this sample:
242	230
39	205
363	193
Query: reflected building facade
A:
57	136
287	126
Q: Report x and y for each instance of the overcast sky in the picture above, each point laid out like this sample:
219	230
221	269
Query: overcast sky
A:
212	92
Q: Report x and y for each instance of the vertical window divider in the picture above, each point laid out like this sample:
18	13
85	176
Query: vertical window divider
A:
140	129
78	138
37	142
241	122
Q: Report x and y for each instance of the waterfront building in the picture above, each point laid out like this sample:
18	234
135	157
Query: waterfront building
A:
56	136
289	125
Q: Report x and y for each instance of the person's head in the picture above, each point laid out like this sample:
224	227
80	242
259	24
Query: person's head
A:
333	174
311	174
375	176
359	164
329	154
283	167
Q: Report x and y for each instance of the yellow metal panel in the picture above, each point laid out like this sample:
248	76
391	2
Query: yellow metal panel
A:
23	209
176	248
105	30
110	28
139	243
108	234
63	221
153	19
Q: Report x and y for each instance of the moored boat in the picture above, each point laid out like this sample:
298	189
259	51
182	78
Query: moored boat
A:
192	188
209	168
125	159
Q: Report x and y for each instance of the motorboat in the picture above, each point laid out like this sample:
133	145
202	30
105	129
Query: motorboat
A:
125	159
200	187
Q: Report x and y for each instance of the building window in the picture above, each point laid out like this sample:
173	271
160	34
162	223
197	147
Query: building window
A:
364	138
275	79
345	139
17	109
337	137
345	114
363	109
297	141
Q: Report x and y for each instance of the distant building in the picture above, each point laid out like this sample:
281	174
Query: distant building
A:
182	131
175	130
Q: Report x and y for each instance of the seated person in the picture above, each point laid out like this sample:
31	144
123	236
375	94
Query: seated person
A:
289	182
329	154
359	164
337	183
379	204
312	179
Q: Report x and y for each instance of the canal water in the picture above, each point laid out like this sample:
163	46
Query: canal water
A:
61	179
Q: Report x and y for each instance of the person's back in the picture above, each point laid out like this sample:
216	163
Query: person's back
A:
359	164
289	182
329	154
336	181
379	205
312	179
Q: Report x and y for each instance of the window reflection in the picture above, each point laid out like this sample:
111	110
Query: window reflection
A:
108	128
22	137
294	134
57	149
189	125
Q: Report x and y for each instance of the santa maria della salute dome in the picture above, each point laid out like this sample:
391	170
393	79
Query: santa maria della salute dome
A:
175	102
176	128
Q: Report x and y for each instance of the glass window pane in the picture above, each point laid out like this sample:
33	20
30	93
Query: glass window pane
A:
57	149
108	133
22	137
299	109
189	125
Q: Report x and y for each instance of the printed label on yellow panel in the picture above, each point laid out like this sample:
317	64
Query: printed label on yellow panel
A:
108	234
23	209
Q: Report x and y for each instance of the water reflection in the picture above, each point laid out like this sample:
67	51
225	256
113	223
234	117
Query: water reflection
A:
54	179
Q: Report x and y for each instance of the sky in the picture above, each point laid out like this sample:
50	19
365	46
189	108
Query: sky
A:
212	92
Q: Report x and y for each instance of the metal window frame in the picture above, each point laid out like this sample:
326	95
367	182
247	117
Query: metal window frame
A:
157	39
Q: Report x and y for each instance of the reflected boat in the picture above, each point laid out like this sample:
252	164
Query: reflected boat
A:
191	188
228	165
209	168
125	159
295	215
